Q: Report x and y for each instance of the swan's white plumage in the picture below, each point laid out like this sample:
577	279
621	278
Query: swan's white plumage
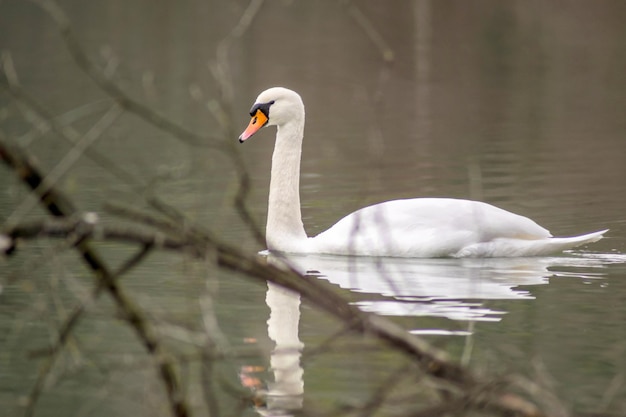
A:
419	227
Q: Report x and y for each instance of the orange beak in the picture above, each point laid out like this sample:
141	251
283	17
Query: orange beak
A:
257	122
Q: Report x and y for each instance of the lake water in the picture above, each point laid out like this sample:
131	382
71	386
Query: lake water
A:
515	104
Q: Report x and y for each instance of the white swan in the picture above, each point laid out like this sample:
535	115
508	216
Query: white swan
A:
419	227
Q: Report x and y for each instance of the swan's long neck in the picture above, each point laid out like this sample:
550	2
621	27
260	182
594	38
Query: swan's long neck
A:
285	231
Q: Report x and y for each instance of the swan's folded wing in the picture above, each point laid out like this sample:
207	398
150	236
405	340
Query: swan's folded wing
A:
423	227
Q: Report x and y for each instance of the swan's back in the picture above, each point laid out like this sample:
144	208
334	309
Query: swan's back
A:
424	227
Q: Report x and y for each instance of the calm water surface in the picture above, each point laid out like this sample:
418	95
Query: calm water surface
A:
518	106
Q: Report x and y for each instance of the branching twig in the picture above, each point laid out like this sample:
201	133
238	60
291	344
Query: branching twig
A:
432	362
378	397
468	389
222	73
58	205
72	320
68	160
157	120
370	31
115	92
44	120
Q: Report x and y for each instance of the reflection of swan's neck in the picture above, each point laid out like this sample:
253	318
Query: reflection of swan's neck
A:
282	328
285	231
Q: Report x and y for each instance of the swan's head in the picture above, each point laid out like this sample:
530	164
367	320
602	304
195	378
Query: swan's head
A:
274	107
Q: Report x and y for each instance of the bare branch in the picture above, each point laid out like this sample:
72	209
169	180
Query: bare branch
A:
66	163
116	93
43	120
222	73
172	231
60	206
149	115
432	362
370	31
73	318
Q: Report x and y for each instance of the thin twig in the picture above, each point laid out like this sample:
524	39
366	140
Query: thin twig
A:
377	398
43	120
149	115
72	319
60	206
432	362
115	92
199	244
65	120
66	163
221	72
207	377
370	31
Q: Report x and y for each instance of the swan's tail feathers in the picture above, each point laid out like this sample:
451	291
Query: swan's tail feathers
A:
559	244
580	240
572	242
505	247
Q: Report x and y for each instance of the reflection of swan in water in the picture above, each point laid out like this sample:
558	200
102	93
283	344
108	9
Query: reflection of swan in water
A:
433	287
449	288
285	393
